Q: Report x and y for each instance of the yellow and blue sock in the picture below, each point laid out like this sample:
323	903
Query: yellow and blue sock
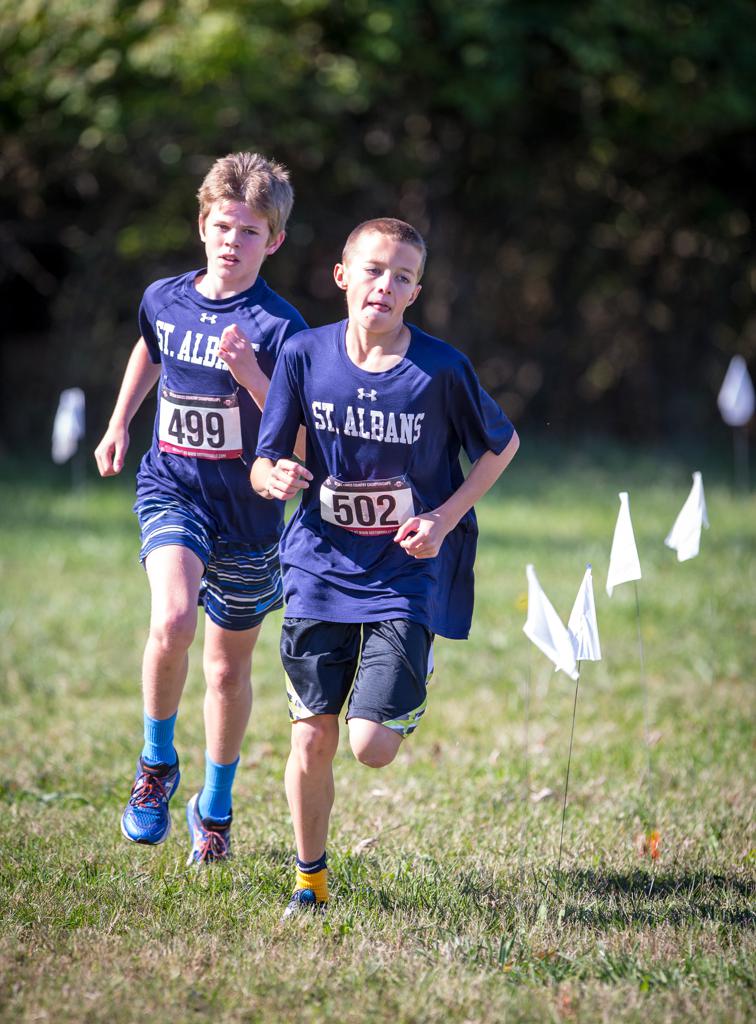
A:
215	798
313	875
158	740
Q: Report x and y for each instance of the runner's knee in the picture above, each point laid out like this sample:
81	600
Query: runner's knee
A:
173	629
373	755
314	741
373	744
226	680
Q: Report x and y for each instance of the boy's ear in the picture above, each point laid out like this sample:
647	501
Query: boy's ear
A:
418	289
275	243
201	221
339	276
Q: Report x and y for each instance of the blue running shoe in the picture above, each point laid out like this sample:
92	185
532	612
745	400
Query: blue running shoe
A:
147	818
304	901
211	840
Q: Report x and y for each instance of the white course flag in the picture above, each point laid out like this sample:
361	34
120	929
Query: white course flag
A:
547	631
583	627
68	428
736	398
624	565
685	535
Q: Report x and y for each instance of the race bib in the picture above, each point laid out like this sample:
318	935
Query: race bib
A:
200	426
368	507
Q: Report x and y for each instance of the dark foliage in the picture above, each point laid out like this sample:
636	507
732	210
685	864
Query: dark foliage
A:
583	172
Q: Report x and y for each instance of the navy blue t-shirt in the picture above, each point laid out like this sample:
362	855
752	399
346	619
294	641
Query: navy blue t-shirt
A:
376	441
207	424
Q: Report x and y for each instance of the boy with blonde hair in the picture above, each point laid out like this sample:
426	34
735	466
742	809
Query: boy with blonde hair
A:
379	555
211	337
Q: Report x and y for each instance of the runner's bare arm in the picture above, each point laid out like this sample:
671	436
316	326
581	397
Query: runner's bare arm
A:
139	378
238	354
422	536
280	479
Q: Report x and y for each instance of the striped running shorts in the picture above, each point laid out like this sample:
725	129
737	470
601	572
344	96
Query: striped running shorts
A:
241	582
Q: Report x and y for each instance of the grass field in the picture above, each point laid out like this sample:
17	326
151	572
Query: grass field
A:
447	906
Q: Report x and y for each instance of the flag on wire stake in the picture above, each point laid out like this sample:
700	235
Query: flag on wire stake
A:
546	630
526	766
685	535
737	402
582	625
736	399
646	701
68	430
583	630
624	565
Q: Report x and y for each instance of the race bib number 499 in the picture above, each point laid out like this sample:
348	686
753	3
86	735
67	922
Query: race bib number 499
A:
368	507
200	426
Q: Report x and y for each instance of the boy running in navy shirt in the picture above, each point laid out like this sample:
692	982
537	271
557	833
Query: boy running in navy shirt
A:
379	555
211	338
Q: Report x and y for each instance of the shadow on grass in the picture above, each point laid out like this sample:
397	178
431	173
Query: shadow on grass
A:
610	898
598	900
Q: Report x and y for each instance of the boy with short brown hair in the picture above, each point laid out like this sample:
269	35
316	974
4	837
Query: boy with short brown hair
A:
378	557
212	337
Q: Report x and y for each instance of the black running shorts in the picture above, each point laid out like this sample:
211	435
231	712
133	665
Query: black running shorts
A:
386	665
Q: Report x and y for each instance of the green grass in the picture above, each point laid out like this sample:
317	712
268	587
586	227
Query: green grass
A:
452	911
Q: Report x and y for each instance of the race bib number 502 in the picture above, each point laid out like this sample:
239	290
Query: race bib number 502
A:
367	507
200	426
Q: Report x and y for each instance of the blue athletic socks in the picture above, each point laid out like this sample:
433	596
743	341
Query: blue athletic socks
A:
215	798
158	740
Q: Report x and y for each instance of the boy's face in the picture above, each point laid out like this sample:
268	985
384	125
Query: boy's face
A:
380	278
237	240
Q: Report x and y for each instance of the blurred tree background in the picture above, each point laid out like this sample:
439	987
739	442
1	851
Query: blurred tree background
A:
584	173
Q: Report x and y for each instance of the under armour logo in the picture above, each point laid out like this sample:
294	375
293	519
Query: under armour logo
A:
370	395
208	318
